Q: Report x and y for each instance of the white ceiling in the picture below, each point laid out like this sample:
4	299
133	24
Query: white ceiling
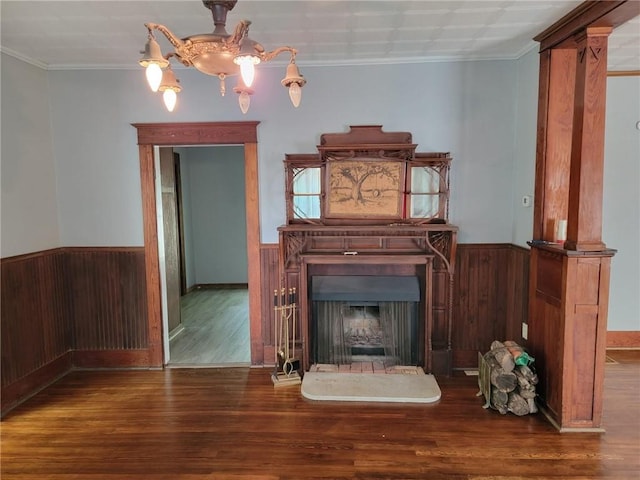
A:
110	34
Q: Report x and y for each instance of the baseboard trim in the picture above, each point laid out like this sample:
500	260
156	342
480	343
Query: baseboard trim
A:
622	339
551	419
216	286
111	358
176	331
36	381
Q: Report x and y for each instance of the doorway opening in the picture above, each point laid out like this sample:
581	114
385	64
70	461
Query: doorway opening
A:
201	201
153	135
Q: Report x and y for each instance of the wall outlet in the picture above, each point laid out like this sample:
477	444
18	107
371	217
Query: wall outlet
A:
525	330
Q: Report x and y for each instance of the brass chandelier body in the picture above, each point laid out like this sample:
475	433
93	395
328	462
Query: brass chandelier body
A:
218	54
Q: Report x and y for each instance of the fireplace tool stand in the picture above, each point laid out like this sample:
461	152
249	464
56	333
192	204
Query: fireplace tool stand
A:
286	365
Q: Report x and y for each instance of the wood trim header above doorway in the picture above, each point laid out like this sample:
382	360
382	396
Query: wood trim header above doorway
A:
589	14
199	133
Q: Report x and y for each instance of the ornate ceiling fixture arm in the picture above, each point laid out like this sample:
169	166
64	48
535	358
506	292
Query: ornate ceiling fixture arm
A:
241	30
268	56
175	41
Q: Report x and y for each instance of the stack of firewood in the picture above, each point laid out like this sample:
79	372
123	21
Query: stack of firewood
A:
506	379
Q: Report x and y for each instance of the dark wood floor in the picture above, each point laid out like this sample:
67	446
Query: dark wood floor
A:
232	424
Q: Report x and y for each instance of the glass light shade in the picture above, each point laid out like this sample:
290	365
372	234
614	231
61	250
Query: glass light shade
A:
247	70
295	94
244	100
154	76
170	97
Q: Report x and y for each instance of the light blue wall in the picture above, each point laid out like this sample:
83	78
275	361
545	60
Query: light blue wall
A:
524	175
466	108
96	157
621	201
216	221
29	209
484	113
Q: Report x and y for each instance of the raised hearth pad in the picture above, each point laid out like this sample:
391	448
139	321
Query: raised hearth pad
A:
370	387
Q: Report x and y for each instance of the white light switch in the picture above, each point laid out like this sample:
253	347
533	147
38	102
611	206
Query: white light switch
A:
526	201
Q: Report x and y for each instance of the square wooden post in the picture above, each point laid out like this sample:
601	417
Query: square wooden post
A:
569	282
584	228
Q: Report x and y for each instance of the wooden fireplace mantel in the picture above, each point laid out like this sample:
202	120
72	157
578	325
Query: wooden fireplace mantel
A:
434	239
427	251
368	204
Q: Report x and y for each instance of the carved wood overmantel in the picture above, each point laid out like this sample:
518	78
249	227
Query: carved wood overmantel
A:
368	204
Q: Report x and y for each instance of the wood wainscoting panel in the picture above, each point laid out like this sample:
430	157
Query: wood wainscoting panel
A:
567	336
479	300
490	298
549	278
114	358
59	303
108	307
271	281
35	329
517	293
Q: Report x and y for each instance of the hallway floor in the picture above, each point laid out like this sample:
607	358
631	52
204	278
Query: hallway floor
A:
216	329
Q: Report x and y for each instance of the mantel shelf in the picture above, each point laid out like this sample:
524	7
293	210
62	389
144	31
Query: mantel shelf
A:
387	230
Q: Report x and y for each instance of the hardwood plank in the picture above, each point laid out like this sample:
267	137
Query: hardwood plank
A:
232	424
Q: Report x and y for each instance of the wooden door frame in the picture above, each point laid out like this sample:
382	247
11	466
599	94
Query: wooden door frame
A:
198	133
177	169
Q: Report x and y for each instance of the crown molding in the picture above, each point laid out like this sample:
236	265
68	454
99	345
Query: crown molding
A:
24	58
